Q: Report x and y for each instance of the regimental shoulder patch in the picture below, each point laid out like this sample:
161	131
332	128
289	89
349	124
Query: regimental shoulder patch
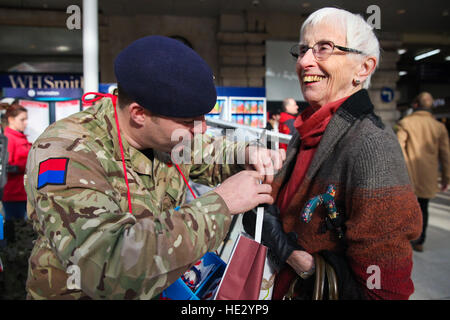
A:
52	171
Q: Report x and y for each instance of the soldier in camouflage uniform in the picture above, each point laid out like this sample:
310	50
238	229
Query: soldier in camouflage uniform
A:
83	220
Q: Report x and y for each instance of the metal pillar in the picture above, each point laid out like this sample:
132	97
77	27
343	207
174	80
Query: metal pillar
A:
90	45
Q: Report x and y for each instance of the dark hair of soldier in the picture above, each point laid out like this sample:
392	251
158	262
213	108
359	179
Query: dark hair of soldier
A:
124	99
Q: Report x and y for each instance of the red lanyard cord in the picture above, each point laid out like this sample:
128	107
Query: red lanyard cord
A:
98	96
114	101
184	178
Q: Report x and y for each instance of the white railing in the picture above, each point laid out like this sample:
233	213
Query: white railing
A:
258	132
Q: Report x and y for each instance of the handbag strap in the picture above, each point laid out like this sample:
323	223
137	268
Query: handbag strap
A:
322	269
333	293
320	277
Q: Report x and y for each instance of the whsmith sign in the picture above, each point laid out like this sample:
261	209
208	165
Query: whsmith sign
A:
44	94
41	81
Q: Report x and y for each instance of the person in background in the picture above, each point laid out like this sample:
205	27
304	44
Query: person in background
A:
273	121
425	145
19	234
446	123
287	117
3	107
414	105
14	195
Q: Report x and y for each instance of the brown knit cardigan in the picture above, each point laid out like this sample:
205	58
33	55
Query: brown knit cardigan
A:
363	159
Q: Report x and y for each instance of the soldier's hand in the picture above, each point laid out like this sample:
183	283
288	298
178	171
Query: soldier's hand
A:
267	162
243	191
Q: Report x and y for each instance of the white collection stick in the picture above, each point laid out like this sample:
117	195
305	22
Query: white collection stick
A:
259	223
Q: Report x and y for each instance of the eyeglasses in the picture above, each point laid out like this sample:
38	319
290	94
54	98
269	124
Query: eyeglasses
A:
321	50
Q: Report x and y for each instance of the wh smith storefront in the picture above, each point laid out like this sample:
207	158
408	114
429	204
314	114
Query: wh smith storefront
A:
47	97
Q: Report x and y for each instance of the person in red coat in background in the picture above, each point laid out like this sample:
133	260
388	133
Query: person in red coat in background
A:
287	117
14	196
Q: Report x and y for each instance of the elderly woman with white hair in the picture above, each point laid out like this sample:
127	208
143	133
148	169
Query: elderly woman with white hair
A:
343	193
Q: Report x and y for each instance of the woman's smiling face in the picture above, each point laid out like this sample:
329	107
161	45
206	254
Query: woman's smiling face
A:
331	79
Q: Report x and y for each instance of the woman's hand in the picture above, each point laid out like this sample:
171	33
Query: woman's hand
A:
301	261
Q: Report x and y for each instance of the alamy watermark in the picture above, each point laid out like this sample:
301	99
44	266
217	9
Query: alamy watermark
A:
374	281
73	21
74	280
375	16
191	148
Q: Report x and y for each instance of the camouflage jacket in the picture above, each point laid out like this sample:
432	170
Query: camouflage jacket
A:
85	221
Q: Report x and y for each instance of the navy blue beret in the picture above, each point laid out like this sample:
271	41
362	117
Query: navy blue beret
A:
166	77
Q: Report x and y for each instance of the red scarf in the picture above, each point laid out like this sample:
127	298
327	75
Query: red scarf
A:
114	102
311	125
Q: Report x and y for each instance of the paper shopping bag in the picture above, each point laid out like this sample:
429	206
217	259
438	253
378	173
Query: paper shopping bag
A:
243	275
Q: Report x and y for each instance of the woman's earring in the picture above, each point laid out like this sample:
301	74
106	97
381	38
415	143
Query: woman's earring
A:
356	82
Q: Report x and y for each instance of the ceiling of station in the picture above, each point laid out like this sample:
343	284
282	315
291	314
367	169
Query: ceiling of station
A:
400	16
396	16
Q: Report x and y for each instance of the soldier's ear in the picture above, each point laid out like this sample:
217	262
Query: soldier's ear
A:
137	113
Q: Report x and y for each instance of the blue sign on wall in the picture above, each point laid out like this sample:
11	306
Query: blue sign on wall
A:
387	94
241	92
43	94
107	87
